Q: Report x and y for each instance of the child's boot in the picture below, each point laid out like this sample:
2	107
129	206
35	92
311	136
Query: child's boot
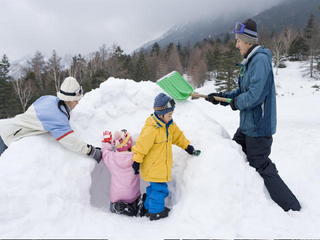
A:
123	208
142	211
157	216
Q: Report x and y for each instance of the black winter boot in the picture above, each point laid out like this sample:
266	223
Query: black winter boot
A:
157	216
141	209
124	208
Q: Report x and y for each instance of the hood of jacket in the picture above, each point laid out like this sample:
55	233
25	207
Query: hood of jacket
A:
258	49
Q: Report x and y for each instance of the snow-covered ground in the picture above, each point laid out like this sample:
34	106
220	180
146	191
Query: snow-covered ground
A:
49	192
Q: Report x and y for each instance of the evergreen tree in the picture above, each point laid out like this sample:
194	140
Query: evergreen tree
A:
155	51
8	103
169	49
119	65
227	69
118	52
298	49
311	34
213	61
4	87
141	69
4	68
184	56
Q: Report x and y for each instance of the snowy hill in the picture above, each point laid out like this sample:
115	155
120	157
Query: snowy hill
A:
49	192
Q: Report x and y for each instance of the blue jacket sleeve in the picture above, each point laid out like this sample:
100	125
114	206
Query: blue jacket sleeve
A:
231	94
256	92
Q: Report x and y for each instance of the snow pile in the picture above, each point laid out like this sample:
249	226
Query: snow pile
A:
47	191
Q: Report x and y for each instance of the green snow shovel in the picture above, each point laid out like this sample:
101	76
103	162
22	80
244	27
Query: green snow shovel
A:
178	88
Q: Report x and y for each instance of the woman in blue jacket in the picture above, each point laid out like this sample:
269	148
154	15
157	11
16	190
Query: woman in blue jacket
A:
255	98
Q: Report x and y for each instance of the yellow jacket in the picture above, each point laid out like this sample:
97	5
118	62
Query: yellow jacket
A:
153	149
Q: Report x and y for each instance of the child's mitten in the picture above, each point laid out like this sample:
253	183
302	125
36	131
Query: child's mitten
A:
190	149
107	137
136	166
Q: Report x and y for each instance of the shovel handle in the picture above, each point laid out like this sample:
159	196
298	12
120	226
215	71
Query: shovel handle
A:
220	99
198	95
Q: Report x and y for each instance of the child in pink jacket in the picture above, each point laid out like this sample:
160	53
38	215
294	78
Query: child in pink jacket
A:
125	185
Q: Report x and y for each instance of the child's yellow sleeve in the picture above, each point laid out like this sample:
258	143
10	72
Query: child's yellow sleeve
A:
144	143
178	137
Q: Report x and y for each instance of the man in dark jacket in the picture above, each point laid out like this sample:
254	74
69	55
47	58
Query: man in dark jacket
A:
255	98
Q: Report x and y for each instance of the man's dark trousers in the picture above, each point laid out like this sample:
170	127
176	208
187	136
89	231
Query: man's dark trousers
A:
258	150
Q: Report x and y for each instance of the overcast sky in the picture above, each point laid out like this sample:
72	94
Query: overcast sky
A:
82	26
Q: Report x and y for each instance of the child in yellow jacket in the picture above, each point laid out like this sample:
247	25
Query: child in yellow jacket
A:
153	154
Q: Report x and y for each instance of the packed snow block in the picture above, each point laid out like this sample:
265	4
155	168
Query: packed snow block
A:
50	186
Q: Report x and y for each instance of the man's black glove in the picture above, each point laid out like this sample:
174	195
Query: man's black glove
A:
233	104
95	153
136	166
190	149
214	101
211	98
224	103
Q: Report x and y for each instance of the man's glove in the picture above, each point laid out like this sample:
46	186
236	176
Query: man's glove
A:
190	149
224	103
136	166
95	153
233	104
211	98
214	101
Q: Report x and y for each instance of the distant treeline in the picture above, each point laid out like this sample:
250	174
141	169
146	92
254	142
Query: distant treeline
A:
210	59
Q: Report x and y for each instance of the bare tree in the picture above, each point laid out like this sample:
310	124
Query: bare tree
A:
105	54
162	68
287	36
278	50
199	73
98	60
54	68
197	67
78	67
154	63
23	90
173	60
38	66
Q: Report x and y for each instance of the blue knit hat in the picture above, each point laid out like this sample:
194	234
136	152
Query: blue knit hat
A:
163	104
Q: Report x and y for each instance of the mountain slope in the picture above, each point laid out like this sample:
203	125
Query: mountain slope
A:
193	32
291	12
